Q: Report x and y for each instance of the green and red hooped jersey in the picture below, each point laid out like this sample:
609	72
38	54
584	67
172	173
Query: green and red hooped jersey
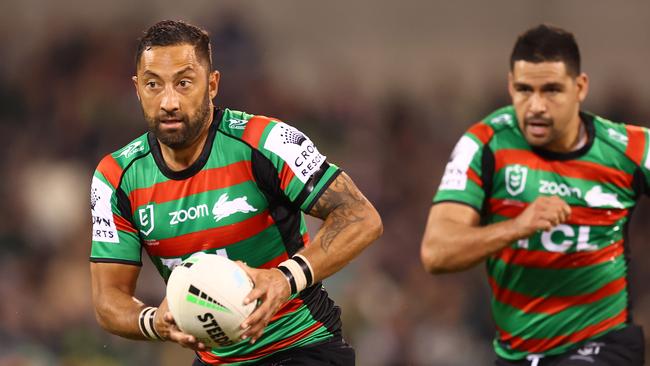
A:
243	198
557	288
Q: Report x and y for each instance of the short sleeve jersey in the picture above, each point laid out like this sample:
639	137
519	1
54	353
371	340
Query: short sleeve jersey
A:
557	288
243	198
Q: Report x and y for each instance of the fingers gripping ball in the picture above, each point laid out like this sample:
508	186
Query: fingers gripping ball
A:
206	297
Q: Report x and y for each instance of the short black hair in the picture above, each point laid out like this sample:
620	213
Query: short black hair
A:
172	33
547	43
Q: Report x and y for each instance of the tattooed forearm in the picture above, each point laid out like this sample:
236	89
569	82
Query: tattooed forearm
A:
335	226
341	205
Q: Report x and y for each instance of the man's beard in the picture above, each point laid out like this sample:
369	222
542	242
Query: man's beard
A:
191	127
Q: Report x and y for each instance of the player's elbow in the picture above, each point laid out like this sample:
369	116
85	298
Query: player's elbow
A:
101	318
373	224
433	259
428	260
103	315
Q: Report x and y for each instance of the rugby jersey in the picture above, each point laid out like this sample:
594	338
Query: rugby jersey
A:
243	198
555	289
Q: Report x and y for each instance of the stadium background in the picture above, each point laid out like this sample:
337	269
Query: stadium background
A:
385	88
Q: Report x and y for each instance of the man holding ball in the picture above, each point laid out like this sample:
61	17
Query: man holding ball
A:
221	181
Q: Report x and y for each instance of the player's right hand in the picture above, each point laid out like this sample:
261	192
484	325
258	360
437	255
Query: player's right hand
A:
543	214
169	331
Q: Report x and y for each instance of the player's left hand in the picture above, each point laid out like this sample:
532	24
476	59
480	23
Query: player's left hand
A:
168	329
272	290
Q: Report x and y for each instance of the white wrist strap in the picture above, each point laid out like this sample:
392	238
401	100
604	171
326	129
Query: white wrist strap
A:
298	272
146	323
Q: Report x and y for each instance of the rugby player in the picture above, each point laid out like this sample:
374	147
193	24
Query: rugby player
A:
542	192
212	180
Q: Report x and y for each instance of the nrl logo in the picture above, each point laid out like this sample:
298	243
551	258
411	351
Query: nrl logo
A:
146	219
516	179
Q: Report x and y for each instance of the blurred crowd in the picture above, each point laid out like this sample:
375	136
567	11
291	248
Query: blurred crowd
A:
71	101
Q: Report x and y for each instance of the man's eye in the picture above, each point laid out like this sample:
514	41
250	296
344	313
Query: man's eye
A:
184	83
151	84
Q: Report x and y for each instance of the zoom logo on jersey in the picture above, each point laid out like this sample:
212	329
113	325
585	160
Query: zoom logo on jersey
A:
221	209
296	149
559	189
516	179
191	213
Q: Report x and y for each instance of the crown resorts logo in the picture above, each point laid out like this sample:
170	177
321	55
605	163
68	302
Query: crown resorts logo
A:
94	197
516	179
292	136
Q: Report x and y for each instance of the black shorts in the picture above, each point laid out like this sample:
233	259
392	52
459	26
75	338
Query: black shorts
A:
624	347
331	352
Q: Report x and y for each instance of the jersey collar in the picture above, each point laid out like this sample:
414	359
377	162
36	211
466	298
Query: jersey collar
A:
588	120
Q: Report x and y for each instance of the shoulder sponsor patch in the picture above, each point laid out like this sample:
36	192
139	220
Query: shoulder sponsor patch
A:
104	229
455	177
296	149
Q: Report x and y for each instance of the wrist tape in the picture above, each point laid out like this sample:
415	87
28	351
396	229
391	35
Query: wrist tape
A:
298	273
146	323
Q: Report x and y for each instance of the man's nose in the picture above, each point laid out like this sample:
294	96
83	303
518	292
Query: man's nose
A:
170	102
537	103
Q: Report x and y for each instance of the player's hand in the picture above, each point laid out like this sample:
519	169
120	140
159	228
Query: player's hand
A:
543	214
169	331
272	290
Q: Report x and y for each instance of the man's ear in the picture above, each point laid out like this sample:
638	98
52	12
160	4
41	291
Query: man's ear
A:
511	89
582	81
135	84
213	84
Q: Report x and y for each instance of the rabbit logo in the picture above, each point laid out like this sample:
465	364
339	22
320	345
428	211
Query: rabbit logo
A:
224	208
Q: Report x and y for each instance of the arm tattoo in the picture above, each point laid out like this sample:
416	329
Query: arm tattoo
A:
340	205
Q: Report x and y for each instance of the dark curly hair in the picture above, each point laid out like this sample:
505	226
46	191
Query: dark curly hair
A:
176	32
